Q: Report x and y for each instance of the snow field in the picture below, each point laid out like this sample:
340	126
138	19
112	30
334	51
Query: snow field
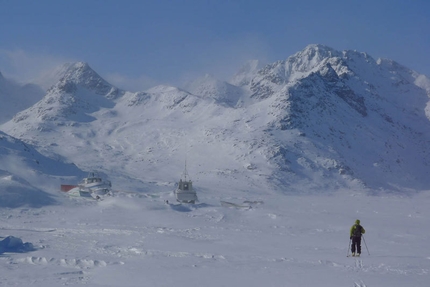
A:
135	240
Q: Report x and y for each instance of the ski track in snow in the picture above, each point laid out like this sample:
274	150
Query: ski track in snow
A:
359	284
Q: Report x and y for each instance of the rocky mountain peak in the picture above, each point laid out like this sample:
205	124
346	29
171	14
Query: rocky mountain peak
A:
81	74
298	66
79	71
315	53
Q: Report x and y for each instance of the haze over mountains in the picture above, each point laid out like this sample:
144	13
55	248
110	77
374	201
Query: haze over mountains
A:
16	97
318	121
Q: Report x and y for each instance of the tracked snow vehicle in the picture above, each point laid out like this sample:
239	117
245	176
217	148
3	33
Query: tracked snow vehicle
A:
185	192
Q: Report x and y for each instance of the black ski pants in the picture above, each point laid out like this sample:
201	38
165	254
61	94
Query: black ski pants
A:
356	244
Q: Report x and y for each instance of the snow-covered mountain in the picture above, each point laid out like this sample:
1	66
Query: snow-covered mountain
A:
16	97
320	120
357	116
80	92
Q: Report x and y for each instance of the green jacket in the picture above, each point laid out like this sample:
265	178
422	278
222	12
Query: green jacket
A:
352	230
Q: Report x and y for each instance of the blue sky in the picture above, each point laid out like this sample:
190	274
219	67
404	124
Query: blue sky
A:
137	44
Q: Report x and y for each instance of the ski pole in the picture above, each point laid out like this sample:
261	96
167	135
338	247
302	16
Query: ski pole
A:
349	245
366	245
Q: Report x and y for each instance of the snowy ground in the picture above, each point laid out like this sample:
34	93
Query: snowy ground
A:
281	240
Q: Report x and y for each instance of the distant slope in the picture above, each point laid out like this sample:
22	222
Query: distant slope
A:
221	92
15	97
29	178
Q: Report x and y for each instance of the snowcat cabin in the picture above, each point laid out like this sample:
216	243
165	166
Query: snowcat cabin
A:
185	185
92	180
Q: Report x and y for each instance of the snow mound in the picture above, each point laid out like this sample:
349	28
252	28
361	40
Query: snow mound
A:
15	244
16	192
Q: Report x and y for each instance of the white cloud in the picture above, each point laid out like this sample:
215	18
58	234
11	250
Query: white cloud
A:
140	83
230	56
224	58
42	69
221	58
25	67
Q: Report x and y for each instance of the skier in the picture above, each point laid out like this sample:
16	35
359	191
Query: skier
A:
355	236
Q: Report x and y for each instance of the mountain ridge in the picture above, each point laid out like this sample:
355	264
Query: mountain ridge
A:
320	120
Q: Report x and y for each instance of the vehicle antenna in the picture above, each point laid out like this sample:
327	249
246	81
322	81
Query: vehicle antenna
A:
185	170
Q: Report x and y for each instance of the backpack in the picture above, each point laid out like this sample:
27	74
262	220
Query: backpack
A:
357	230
